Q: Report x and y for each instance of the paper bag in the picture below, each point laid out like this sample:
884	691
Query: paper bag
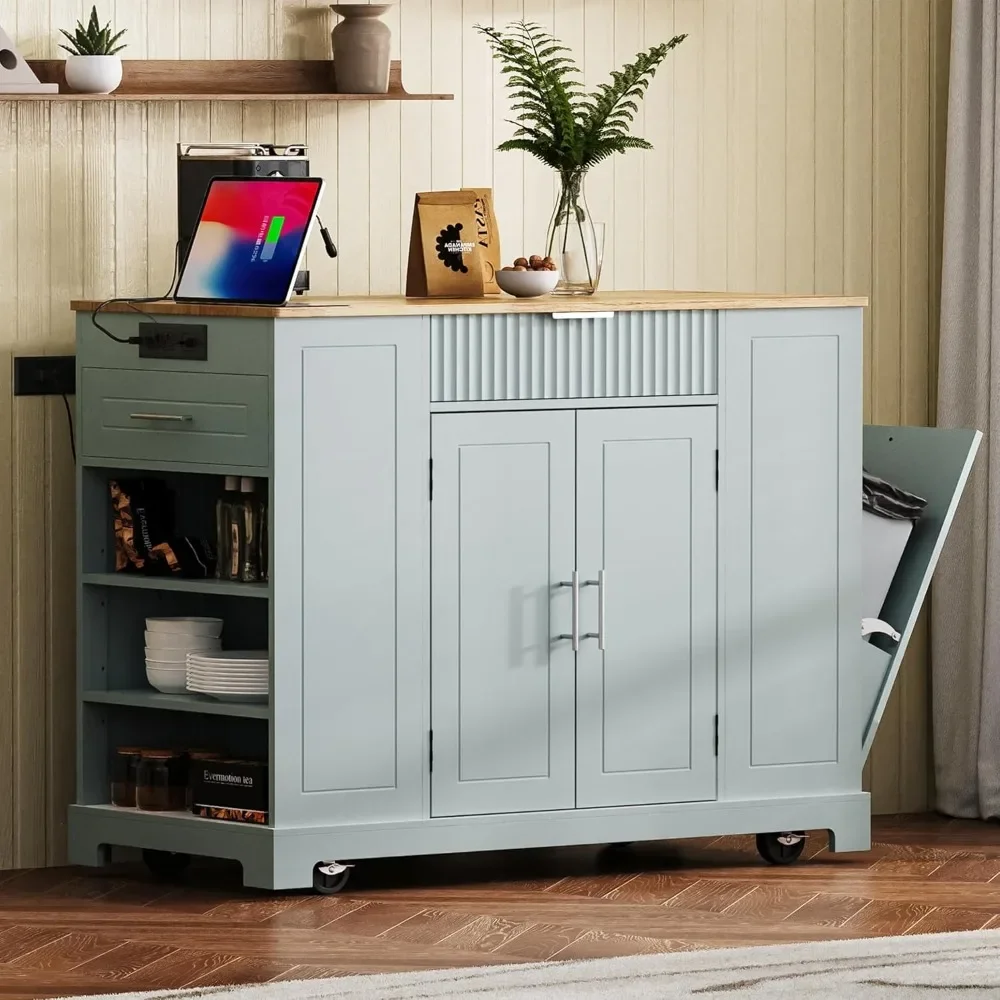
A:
445	257
488	238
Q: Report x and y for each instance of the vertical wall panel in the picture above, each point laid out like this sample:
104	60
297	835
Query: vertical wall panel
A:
886	307
766	174
828	173
657	233
800	146
8	627
915	349
686	142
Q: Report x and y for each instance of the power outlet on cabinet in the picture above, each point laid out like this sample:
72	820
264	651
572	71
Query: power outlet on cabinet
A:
173	341
45	375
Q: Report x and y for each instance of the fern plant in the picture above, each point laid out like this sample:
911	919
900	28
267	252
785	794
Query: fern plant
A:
566	127
93	40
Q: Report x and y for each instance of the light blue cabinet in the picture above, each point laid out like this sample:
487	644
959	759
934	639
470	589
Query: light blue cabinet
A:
646	542
537	579
502	682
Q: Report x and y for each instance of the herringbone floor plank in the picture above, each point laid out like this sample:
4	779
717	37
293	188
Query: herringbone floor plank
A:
75	932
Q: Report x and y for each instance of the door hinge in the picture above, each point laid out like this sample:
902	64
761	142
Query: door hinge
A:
716	470
430	744
715	741
430	478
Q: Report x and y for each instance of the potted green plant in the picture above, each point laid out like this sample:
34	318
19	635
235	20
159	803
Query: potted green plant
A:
93	66
571	131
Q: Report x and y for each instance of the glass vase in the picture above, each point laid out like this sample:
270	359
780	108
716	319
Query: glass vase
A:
575	242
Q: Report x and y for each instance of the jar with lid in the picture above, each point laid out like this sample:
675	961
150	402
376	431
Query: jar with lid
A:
161	781
124	765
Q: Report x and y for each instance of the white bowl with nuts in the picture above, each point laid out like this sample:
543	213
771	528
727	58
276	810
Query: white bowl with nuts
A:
529	277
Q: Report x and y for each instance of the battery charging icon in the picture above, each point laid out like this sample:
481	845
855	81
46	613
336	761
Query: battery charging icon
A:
271	240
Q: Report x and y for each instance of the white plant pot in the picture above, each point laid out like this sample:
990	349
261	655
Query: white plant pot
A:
94	74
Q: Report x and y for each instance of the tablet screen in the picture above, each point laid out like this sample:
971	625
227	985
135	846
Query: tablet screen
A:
250	238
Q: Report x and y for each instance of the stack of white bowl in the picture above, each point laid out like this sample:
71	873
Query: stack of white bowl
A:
168	642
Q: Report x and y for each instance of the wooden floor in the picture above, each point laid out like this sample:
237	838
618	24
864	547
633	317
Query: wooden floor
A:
67	931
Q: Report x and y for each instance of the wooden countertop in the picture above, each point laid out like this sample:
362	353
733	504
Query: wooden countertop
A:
396	305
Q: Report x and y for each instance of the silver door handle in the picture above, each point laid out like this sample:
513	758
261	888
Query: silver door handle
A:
599	634
174	418
574	636
584	315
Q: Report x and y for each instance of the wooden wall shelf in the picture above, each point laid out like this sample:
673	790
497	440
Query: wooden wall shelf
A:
220	80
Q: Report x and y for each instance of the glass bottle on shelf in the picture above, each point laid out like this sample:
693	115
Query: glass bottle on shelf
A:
251	530
227	531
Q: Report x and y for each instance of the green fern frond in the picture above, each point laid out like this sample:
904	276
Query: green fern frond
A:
558	122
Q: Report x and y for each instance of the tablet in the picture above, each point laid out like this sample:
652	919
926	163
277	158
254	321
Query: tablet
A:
250	240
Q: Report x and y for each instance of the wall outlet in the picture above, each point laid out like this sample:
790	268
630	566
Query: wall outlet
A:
45	375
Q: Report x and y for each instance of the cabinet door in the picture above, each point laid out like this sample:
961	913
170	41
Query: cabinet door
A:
502	533
646	509
350	536
790	527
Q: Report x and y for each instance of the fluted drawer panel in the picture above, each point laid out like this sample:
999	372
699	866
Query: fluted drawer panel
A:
535	356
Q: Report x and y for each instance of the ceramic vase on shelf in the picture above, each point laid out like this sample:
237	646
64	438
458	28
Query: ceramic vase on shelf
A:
575	242
94	74
361	47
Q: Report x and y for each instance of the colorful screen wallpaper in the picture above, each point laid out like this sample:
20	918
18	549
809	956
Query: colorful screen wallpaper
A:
248	240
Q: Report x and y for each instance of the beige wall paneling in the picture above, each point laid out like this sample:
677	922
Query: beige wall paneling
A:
798	146
628	171
66	279
539	182
317	125
508	168
885	313
715	84
655	233
598	59
914	361
8	627
385	217
414	118
30	542
741	162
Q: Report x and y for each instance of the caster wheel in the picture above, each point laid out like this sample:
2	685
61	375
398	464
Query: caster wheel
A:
781	848
166	864
330	877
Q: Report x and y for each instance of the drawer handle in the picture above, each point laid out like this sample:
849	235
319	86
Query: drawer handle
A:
574	636
584	315
599	634
173	418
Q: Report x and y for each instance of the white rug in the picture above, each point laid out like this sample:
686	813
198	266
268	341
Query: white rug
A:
920	967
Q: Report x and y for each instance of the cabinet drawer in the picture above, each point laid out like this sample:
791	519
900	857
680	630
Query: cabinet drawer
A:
574	355
201	418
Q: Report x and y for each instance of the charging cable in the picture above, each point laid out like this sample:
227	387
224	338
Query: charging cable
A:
134	303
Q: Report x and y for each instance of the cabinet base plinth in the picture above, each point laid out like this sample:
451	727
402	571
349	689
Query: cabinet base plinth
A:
284	857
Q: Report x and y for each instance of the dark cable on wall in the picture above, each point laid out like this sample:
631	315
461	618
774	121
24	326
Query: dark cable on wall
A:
69	421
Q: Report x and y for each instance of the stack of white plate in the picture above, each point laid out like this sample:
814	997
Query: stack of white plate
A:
229	675
168	642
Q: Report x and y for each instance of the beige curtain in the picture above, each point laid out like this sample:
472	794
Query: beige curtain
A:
965	651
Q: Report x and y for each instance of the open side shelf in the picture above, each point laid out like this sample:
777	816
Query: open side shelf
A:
934	463
220	80
230	588
198	704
